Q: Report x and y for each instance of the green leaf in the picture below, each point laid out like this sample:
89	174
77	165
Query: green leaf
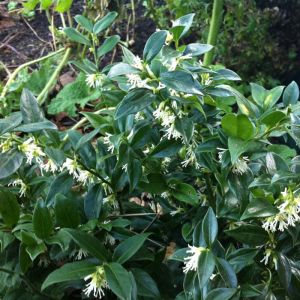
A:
9	207
259	208
84	22
146	286
118	280
154	44
227	272
66	212
63	5
105	22
93	202
272	96
76	36
45	4
156	184
226	74
10	122
185	21
186	128
129	247
272	118
135	101
68	272
42	221
61	184
210	227
253	235
242	258
134	169
89	243
30	109
185	193
238	126
33	127
122	69
221	294
166	148
236	148
181	81
206	266
284	270
196	49
108	45
258	93
10	162
86	138
291	94
24	258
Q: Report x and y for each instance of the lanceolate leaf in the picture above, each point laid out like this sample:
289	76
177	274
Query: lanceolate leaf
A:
10	162
154	45
206	266
68	272
9	207
210	227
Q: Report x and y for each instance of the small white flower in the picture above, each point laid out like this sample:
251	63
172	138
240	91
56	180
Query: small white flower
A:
177	211
137	63
125	167
85	176
32	151
212	276
191	262
72	167
97	283
111	201
221	153
109	239
50	166
139	116
23	186
240	166
107	188
95	80
265	259
190	157
79	254
107	141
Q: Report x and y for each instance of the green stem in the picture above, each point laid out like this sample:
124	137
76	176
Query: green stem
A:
44	93
213	30
70	18
21	67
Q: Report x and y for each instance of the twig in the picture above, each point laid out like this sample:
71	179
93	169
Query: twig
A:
34	32
14	50
150	224
5	68
132	215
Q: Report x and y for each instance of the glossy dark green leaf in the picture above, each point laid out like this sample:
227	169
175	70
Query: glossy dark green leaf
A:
156	184
68	272
134	169
129	247
66	212
210	227
197	49
166	148
89	243
105	22
284	270
122	69
10	162
24	258
206	266
259	208
221	294
118	280
33	127
76	36
242	258
236	148
272	118
181	81
185	193
227	272
154	44
185	21
9	207
253	235
134	102
93	202
10	122
272	96
30	109
291	94
186	128
146	286
42	221
86	138
108	45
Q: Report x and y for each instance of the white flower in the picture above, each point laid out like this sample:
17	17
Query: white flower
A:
240	166
107	141
111	200
125	167
109	239
97	283
72	167
139	116
79	254
23	186
95	80
191	262
32	151
265	259
177	211
50	166
137	63
107	188
288	214
85	176
221	153
190	157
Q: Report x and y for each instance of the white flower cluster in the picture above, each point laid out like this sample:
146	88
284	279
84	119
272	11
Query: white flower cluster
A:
190	157
23	186
107	141
97	283
32	151
288	213
167	119
241	165
191	262
74	169
95	80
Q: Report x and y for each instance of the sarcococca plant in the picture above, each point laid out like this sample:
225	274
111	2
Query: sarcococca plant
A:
178	188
